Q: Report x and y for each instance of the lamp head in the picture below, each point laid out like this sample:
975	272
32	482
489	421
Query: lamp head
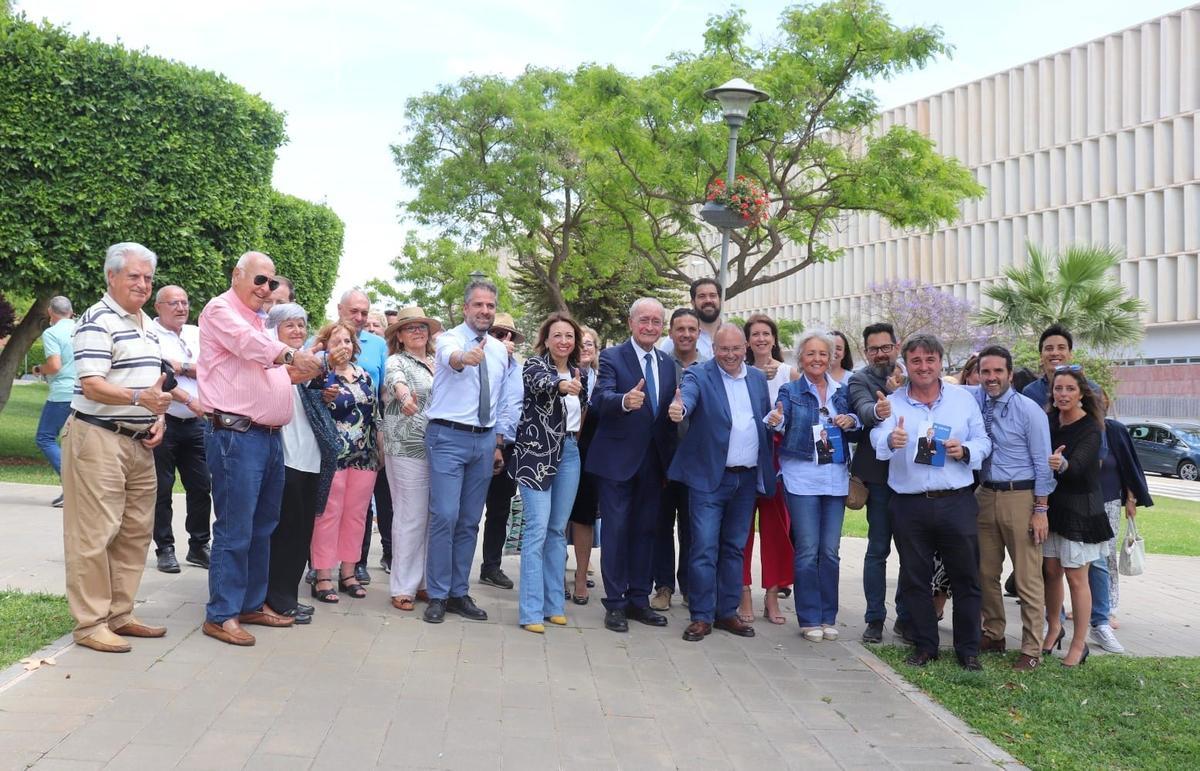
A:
736	97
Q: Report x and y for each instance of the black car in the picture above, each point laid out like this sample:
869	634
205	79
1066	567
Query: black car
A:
1168	447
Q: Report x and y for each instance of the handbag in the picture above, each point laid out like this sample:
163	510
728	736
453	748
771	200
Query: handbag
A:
857	497
1132	559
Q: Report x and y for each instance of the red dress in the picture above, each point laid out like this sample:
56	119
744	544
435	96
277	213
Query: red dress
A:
775	533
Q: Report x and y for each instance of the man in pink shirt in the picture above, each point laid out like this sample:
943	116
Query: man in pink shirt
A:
245	379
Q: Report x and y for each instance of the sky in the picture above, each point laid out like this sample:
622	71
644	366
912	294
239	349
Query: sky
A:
342	71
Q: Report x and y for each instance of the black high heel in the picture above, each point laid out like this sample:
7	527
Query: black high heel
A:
1062	632
1082	660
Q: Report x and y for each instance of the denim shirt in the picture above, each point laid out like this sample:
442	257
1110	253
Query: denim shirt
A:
801	412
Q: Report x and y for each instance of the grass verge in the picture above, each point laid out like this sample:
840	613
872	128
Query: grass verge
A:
1116	712
29	622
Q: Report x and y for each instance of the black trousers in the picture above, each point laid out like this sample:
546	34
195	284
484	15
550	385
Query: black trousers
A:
949	526
291	539
182	448
383	518
631	512
674	509
495	526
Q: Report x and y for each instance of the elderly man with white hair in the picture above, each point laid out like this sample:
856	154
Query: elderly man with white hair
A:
246	379
630	454
109	482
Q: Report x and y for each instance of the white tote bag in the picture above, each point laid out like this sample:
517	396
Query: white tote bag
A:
1132	559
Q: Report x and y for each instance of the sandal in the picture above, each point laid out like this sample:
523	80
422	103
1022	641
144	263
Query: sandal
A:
746	618
777	617
403	603
324	595
355	589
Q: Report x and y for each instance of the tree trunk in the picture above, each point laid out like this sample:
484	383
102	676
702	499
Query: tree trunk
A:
19	343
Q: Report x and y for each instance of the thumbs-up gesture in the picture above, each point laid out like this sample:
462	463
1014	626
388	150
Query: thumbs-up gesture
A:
409	406
775	416
899	437
573	386
1057	461
635	396
154	398
897	379
473	356
675	411
883	408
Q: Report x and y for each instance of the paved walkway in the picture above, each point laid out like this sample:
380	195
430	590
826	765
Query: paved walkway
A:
365	686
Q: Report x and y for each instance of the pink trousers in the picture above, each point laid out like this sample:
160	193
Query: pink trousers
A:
338	532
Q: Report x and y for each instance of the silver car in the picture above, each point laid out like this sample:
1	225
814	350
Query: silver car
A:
1168	447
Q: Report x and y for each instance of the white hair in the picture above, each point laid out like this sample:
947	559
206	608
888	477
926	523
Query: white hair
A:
349	293
245	259
115	256
285	312
819	335
646	301
61	306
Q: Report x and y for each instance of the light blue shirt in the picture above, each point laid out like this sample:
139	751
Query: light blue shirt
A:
743	429
514	395
704	344
372	357
455	394
1021	431
807	477
956	407
56	341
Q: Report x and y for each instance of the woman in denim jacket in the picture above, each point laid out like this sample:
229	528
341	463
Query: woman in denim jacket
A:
816	483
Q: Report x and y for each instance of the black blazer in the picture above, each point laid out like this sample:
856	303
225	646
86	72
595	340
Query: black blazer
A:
623	439
539	443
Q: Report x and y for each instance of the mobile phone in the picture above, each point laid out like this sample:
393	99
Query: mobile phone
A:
330	379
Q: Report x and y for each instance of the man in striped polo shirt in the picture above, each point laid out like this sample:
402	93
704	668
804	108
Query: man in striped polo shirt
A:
109	482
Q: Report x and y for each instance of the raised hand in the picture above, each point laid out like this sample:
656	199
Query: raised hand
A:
472	357
154	398
1057	462
775	416
897	379
305	366
675	411
573	386
883	408
844	422
770	368
635	397
899	437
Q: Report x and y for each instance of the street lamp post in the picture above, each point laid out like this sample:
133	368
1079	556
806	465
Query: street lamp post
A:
736	97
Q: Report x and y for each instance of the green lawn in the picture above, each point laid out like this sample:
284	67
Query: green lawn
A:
1116	712
29	622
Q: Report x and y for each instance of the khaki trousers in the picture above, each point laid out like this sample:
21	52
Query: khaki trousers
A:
109	488
1004	524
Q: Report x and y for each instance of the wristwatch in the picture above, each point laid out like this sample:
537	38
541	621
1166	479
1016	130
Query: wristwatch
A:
289	356
966	457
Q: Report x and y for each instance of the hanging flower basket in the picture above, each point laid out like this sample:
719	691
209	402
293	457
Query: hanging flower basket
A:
741	205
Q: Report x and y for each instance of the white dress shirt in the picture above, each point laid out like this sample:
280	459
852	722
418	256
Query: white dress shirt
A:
743	430
185	349
455	394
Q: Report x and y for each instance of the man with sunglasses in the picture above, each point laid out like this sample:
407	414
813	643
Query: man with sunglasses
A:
245	379
502	487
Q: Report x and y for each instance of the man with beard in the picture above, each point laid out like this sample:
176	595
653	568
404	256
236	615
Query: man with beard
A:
868	388
706	301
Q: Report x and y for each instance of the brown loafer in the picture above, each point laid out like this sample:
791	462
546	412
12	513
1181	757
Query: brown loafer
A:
402	603
104	641
422	596
697	631
734	625
266	617
135	628
988	645
1026	663
232	634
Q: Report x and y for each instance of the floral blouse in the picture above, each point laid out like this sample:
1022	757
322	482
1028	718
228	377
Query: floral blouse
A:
353	412
404	436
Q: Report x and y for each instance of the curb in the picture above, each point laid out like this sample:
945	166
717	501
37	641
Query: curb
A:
16	672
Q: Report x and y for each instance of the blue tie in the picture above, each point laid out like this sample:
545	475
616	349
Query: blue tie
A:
651	384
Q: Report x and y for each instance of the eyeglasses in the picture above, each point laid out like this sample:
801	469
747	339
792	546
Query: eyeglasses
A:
410	328
648	321
1068	368
271	283
174	303
875	349
500	334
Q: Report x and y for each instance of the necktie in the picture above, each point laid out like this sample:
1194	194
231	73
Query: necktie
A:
485	391
988	407
651	384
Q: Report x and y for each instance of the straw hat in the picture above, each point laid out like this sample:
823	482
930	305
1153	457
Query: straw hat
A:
504	322
405	316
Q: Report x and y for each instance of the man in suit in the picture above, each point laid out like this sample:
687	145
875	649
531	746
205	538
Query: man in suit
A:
725	461
824	448
926	448
629	455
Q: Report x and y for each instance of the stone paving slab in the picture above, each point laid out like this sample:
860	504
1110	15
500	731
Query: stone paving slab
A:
366	686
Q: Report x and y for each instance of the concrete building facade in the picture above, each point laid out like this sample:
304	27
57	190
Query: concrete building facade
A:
1098	143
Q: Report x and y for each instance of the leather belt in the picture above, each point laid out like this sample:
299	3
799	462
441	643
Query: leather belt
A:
1020	484
174	419
109	425
739	469
939	493
461	426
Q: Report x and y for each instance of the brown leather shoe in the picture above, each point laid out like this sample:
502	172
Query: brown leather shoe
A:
229	632
988	645
266	617
734	625
697	631
1026	663
135	628
104	641
422	596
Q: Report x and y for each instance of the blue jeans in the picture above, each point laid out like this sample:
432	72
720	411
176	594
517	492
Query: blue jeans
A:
247	487
54	415
544	540
816	537
720	525
879	546
1098	581
460	468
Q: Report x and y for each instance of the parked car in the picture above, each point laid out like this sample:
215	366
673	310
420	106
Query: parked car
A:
1168	447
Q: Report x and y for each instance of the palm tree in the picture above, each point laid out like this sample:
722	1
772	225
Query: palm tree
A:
1074	289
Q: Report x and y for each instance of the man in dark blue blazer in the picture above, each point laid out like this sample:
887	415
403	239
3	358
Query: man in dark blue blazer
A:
630	453
726	462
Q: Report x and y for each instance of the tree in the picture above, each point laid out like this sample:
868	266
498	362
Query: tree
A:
103	145
305	241
435	273
911	307
1075	289
652	144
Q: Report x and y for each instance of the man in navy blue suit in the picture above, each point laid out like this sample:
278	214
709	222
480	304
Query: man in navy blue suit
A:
725	461
630	453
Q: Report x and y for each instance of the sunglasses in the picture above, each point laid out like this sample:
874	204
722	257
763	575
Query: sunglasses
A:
1068	368
271	283
500	334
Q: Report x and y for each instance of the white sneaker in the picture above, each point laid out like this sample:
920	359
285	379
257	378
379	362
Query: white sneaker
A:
1102	635
829	633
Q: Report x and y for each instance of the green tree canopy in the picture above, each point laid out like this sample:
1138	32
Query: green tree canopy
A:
305	241
1075	289
102	145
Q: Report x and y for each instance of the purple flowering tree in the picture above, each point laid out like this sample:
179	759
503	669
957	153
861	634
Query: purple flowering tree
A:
911	307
